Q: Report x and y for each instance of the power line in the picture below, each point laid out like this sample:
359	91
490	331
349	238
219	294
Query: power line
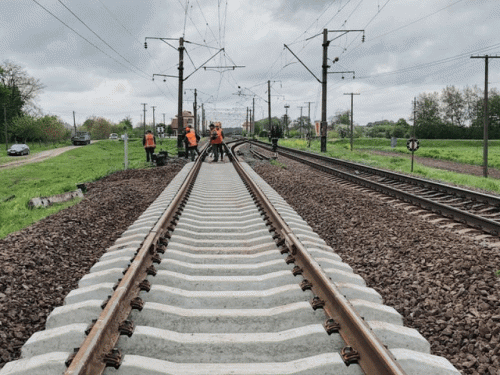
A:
81	36
93	32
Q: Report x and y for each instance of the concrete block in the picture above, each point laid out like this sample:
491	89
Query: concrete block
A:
82	312
322	364
46	364
118	262
377	311
247	299
96	292
54	340
352	291
262	256
416	363
182	320
219	283
106	276
397	337
240	347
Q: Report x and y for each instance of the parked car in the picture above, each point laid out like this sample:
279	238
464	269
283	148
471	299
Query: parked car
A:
81	138
19	149
113	136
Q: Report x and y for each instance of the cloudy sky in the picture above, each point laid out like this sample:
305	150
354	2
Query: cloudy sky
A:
90	54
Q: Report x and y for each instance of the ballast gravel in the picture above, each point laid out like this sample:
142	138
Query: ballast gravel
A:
40	264
445	285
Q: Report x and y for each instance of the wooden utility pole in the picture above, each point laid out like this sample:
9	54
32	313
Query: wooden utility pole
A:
486	114
246	121
301	120
74	121
352	122
144	104
202	119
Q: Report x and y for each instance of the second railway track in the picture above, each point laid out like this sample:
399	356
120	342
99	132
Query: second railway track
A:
225	278
466	207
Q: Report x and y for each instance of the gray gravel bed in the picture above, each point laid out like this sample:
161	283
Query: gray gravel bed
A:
41	264
443	284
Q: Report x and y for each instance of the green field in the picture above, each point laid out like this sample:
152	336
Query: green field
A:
467	151
457	150
61	174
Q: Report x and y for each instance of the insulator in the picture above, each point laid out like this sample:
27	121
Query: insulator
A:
145	45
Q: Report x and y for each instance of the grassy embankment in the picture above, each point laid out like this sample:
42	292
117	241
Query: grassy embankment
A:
467	152
61	174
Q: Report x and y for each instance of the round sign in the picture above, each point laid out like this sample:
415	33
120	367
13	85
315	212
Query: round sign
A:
412	144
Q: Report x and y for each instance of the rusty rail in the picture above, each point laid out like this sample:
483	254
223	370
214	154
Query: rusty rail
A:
372	355
97	351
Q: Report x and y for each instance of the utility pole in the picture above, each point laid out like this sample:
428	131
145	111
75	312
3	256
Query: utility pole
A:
486	114
325	67
252	125
74	121
414	126
195	107
5	125
164	120
180	119
352	122
246	122
309	114
269	103
154	123
144	104
202	119
286	119
301	120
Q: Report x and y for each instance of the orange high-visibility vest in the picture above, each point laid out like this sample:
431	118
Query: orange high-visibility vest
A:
218	140
150	141
191	139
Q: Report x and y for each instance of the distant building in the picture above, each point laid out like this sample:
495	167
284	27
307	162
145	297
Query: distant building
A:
247	126
188	119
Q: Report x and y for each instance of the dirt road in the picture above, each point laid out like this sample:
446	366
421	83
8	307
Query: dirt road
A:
35	158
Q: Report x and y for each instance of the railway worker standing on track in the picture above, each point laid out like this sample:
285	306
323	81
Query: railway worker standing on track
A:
220	133
149	143
192	141
215	140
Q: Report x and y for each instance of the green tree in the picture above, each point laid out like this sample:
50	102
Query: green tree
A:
453	106
99	127
52	129
429	123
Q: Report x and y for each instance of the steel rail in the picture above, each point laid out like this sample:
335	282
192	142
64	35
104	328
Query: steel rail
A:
459	192
374	357
487	225
102	338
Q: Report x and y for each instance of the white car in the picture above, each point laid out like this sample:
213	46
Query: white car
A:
19	149
113	136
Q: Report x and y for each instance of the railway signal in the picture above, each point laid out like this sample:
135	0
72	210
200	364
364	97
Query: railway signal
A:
412	144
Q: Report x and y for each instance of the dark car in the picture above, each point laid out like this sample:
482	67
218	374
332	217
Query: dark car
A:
19	149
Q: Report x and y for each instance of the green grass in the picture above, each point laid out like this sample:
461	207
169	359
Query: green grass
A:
341	150
61	174
457	150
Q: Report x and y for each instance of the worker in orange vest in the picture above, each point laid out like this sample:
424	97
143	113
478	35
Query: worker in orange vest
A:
149	143
192	141
215	141
220	134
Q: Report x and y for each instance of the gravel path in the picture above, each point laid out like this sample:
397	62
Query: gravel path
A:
442	283
39	265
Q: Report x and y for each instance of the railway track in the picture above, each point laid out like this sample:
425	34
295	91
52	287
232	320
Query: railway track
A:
221	276
465	207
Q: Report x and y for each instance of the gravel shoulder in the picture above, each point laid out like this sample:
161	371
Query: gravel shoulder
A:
442	283
41	264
